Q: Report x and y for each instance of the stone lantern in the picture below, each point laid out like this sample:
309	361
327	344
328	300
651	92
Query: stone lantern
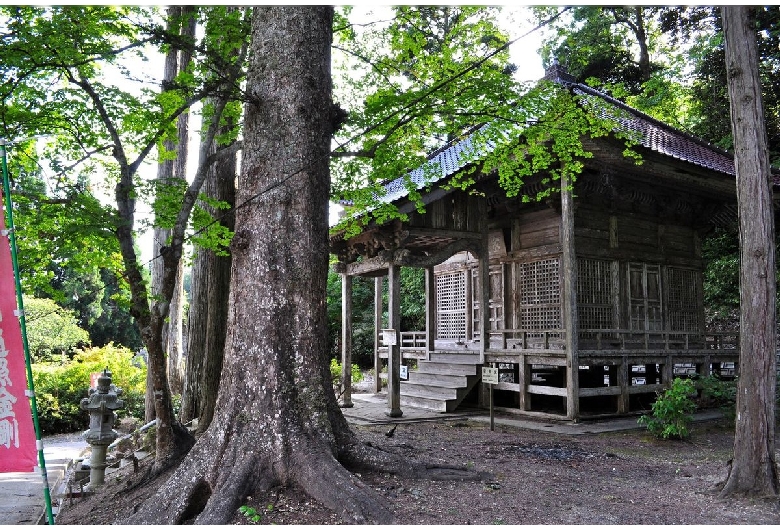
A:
101	405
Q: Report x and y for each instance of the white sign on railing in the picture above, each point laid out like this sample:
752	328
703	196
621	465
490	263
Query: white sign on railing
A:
389	337
490	375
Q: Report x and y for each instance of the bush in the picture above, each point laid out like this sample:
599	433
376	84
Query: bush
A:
60	387
672	411
335	372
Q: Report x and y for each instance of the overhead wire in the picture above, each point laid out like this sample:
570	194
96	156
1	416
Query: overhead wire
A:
384	120
434	88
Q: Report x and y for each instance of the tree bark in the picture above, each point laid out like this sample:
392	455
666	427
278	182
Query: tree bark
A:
753	470
277	420
181	20
209	304
210	287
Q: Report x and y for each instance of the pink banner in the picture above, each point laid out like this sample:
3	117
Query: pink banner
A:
18	451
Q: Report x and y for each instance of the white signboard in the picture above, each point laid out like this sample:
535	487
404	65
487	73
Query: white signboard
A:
389	337
490	375
404	372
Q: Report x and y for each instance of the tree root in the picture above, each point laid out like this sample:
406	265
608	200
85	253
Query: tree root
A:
360	456
327	481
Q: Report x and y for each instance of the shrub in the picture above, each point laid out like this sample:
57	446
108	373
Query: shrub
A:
335	372
60	387
672	411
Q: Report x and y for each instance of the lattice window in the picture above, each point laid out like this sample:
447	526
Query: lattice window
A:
683	300
538	287
594	294
451	305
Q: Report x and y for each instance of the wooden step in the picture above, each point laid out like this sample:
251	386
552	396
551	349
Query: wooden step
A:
424	403
434	367
438	379
425	390
455	358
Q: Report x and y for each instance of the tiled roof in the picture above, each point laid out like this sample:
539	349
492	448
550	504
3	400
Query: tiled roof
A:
444	163
656	135
651	133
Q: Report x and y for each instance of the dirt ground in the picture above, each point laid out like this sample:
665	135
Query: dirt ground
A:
624	477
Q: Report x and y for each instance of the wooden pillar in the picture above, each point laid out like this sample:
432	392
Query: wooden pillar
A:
430	312
378	309
569	299
524	378
394	350
623	380
484	299
668	372
469	306
346	341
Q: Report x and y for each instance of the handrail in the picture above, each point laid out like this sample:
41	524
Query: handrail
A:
605	338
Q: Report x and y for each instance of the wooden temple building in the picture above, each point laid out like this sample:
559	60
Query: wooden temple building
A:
587	303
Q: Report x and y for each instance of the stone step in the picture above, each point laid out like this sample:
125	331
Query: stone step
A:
435	367
438	379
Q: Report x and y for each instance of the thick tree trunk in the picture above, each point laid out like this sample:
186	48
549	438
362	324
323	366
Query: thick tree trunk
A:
753	470
277	420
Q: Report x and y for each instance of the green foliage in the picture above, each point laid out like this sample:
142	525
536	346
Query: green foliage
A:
362	319
62	229
423	79
210	233
52	331
603	42
336	371
412	312
250	513
716	392
60	387
672	411
721	273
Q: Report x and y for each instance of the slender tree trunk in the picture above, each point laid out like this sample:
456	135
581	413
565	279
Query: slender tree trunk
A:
196	337
224	189
209	304
176	319
753	470
181	20
164	177
277	420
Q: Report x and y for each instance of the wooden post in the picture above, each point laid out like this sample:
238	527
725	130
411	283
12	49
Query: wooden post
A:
623	380
346	341
569	299
394	351
430	312
468	277
524	378
484	298
378	309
